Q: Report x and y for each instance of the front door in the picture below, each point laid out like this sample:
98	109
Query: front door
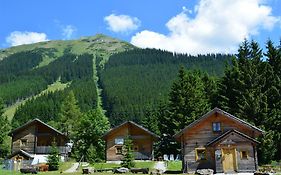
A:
229	159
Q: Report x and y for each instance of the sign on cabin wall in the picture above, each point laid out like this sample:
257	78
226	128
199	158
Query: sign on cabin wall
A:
218	154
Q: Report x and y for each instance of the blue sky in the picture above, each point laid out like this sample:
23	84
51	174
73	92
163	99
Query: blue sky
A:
190	26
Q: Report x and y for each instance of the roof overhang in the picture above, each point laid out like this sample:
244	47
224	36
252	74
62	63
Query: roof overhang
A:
134	124
31	122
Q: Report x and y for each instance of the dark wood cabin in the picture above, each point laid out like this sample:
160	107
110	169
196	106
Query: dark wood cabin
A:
219	141
36	137
141	137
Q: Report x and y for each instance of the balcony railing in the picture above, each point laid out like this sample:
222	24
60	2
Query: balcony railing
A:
142	155
47	149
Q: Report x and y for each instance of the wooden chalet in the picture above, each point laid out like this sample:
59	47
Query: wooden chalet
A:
142	139
219	141
36	137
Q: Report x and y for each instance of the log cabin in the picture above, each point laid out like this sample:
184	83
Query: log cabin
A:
219	141
36	138
141	137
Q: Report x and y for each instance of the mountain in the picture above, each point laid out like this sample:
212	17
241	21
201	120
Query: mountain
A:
103	72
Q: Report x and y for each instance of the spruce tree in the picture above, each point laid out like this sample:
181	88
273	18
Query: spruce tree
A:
187	101
53	158
128	156
4	128
69	114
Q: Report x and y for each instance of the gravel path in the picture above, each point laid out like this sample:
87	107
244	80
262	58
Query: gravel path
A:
73	168
160	166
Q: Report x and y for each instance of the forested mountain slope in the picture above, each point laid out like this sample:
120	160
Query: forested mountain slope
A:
136	81
28	69
99	70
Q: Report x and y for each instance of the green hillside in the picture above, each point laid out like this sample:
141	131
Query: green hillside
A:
103	72
137	81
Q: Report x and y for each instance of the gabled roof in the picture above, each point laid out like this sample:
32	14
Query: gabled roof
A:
21	152
132	123
227	133
31	122
217	110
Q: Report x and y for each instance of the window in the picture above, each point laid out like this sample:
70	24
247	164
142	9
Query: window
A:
136	148
244	154
200	154
23	142
119	141
216	126
119	149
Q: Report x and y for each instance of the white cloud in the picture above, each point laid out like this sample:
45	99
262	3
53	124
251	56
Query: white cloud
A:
218	26
18	38
68	31
122	23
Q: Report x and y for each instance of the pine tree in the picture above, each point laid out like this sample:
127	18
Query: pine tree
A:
4	128
69	114
273	78
242	89
128	156
187	101
53	158
150	121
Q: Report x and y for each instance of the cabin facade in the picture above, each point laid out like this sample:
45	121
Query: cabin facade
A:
35	137
219	141
142	140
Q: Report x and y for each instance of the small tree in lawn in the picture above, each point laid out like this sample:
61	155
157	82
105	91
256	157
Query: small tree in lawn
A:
54	158
128	159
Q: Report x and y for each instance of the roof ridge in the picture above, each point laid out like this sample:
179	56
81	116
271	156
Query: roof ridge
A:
34	120
131	122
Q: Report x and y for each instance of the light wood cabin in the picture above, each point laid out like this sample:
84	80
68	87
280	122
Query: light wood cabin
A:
36	137
219	141
142	139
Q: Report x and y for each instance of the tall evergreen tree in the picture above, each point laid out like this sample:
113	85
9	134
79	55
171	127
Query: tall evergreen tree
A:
187	101
69	114
242	87
4	128
128	156
53	158
273	78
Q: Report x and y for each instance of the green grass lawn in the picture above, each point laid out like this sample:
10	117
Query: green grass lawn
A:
66	165
174	165
146	164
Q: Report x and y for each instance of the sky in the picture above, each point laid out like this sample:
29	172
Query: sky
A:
183	26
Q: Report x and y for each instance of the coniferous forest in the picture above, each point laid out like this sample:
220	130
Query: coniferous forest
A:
161	90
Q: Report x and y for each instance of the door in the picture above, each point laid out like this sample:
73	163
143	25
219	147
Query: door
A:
229	159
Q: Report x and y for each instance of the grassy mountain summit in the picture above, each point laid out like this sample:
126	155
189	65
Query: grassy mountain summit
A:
99	43
103	73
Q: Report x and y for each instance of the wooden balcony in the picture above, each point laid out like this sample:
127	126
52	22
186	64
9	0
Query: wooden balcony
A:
47	149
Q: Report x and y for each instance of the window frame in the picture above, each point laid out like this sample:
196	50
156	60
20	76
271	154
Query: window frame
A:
136	148
242	156
119	143
23	142
197	155
119	150
215	126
